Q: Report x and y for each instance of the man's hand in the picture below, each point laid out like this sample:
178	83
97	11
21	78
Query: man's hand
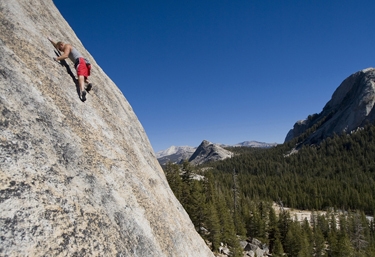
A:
52	42
55	59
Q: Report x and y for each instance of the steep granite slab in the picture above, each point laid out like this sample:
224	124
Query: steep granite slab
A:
76	179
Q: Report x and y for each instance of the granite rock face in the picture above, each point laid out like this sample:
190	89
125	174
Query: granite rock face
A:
207	152
351	107
76	179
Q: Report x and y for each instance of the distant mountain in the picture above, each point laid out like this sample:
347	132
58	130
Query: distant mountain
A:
175	150
350	107
207	152
175	154
255	144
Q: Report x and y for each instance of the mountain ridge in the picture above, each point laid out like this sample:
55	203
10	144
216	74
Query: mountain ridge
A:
350	107
177	154
174	150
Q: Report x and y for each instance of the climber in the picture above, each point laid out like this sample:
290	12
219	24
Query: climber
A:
81	64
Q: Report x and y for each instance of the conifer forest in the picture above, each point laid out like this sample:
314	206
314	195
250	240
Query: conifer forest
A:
234	199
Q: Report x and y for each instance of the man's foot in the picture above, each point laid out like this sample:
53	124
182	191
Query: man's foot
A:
83	96
88	88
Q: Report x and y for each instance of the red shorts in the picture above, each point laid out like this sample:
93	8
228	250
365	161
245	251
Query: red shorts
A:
83	69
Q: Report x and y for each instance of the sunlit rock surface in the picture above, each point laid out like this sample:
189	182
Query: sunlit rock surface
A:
76	179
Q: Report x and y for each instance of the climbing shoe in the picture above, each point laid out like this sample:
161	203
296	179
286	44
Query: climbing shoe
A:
88	88
84	95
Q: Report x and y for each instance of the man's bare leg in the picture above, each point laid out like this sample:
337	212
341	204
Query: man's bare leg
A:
81	82
89	85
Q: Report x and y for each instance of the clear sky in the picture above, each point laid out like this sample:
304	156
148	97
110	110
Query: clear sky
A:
225	71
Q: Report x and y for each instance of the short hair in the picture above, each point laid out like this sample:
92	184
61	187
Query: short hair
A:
59	43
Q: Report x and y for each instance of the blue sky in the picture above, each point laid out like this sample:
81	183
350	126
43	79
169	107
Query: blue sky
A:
225	71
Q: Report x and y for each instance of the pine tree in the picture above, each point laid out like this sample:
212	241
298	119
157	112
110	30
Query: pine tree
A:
332	243
187	179
343	247
256	225
322	224
318	243
197	206
283	224
293	240
305	248
187	172
277	248
227	231
273	231
339	242
358	228
213	226
237	218
227	227
172	173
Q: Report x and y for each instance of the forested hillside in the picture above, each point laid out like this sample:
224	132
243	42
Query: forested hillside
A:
235	196
339	173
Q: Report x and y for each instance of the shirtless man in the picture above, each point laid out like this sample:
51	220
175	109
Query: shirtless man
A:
82	66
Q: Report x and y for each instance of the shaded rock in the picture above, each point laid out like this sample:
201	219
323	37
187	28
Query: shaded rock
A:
254	248
298	129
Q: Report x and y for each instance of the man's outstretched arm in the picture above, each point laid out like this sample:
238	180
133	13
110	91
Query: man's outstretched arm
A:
52	42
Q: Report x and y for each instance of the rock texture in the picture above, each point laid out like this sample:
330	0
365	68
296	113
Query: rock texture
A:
351	106
207	152
76	179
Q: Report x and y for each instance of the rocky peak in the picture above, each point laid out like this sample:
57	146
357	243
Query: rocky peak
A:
350	107
76	179
207	152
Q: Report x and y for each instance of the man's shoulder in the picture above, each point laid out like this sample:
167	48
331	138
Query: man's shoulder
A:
68	46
